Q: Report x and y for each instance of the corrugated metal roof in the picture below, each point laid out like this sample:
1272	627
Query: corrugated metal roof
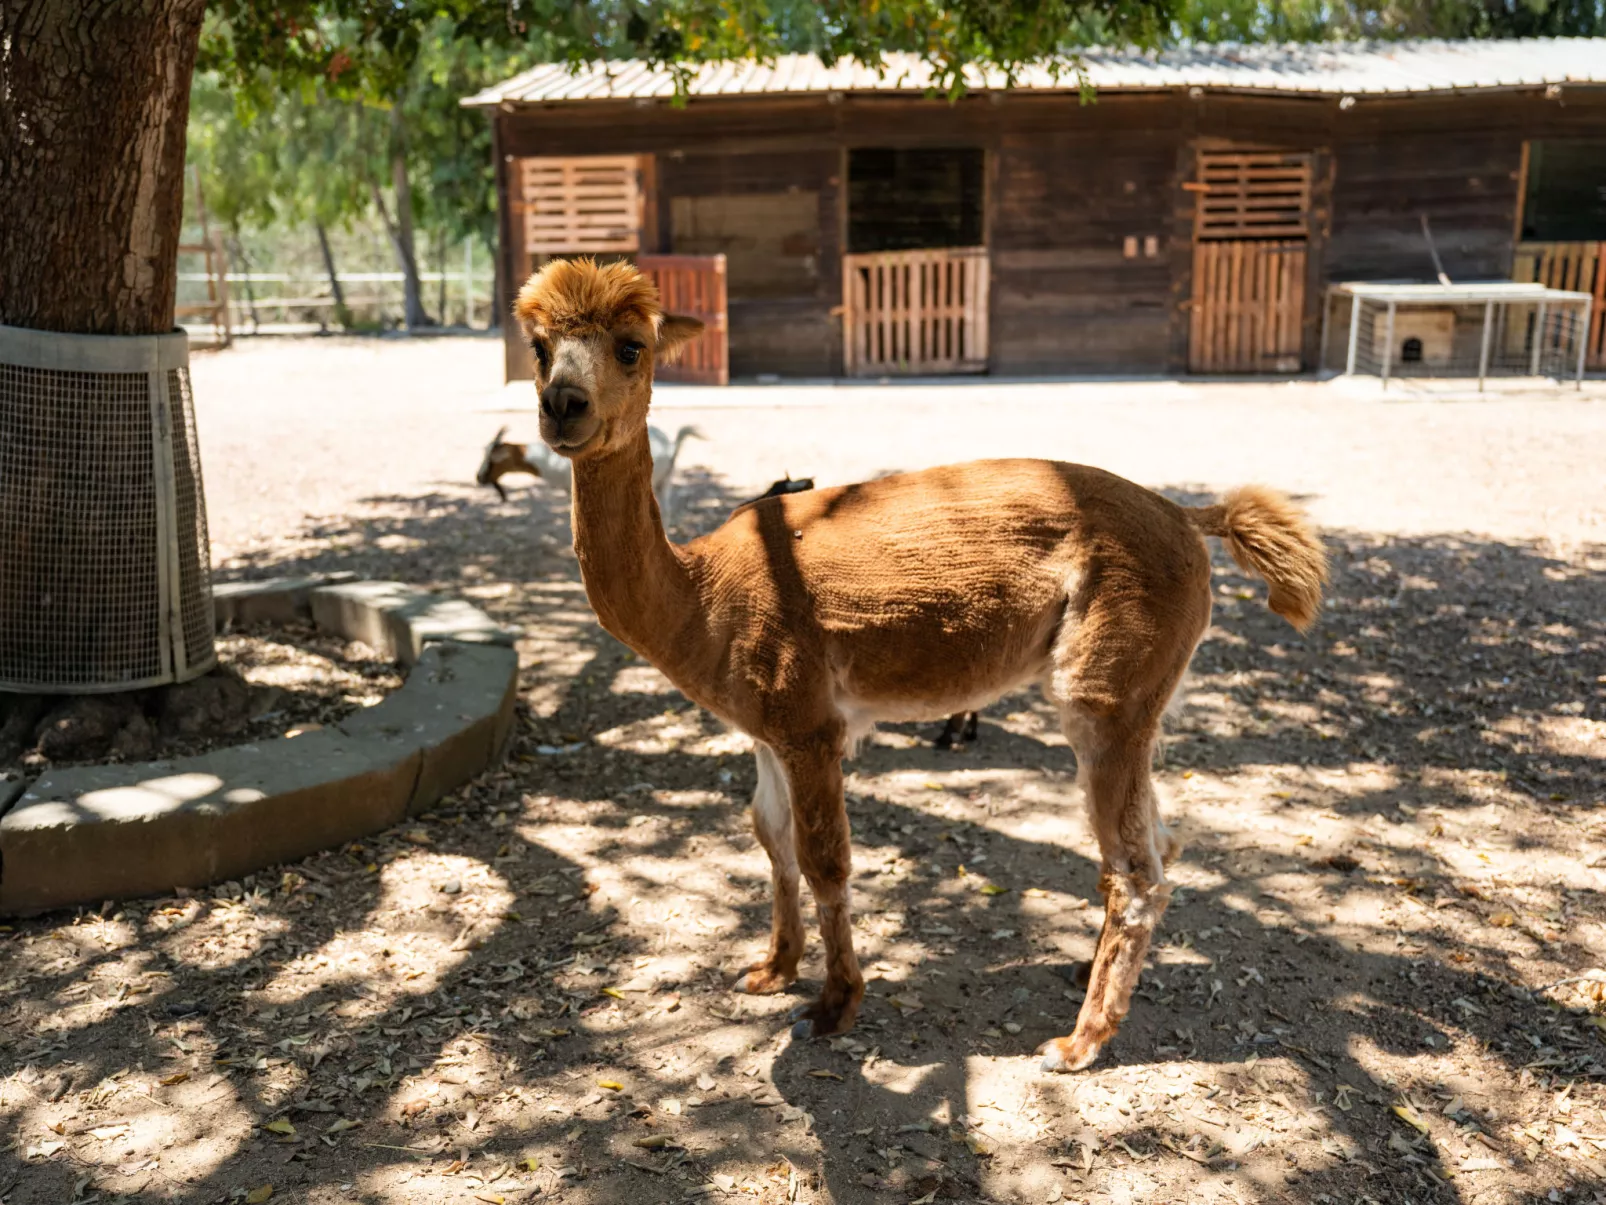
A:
1362	69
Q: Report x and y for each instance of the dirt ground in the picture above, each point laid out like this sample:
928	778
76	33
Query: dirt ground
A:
1366	989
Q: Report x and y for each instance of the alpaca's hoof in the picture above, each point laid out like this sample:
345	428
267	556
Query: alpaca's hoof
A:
1067	1054
762	979
822	1020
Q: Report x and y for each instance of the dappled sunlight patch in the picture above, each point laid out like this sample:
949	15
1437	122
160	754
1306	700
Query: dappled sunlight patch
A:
641	680
673	731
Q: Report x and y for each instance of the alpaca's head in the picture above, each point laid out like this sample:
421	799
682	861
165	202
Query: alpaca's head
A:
595	331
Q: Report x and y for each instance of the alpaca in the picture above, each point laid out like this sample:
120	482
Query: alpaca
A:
807	617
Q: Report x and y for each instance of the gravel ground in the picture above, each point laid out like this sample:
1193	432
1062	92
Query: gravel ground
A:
1395	855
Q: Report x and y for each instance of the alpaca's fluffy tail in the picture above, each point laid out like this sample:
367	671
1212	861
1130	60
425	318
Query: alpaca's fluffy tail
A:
1269	537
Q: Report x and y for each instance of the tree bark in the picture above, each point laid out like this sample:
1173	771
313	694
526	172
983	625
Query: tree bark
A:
342	314
94	99
401	231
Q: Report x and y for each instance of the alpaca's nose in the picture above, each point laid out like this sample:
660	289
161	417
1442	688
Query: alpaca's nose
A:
561	400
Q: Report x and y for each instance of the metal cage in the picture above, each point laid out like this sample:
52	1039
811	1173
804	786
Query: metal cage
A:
1498	329
105	571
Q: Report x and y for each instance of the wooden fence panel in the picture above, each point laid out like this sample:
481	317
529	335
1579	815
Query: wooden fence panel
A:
915	312
694	286
1248	308
1578	267
1252	194
575	206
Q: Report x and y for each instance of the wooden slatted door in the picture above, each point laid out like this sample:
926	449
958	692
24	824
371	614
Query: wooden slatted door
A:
915	312
591	204
1248	306
1251	226
1577	267
694	286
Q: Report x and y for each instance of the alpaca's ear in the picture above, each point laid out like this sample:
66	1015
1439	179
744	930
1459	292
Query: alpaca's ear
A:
676	331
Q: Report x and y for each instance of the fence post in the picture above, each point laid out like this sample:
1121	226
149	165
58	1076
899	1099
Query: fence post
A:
1539	338
1583	343
1354	334
1483	353
468	281
1388	344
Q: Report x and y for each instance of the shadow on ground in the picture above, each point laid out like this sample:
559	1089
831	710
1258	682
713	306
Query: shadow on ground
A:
1393	827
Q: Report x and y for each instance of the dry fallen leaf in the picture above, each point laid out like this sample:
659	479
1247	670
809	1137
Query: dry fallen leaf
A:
994	889
614	992
670	1106
167	1081
705	1082
1411	1117
258	1195
280	1125
531	1164
342	1125
820	1073
653	1142
1502	920
611	1084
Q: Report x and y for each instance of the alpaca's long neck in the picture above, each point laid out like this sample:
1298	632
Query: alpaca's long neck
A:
639	584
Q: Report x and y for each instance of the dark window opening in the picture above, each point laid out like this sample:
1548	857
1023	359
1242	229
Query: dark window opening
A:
906	200
1411	350
1566	195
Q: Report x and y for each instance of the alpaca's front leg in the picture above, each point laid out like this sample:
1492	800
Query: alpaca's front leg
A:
825	853
772	821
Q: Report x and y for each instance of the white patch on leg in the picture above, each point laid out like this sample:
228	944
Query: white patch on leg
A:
772	805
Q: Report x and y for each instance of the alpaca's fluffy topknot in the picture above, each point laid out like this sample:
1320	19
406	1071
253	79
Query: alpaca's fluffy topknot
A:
578	296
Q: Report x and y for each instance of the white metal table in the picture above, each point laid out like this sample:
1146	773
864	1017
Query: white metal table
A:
1489	294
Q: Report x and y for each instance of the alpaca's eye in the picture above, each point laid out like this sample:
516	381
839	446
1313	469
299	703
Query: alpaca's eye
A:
541	353
629	353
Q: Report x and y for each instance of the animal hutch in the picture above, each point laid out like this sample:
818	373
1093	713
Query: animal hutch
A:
839	221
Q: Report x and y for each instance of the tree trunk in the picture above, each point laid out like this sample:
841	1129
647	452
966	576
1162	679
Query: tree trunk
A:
244	261
401	231
342	314
440	266
94	99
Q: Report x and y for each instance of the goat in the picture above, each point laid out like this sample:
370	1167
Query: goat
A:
502	458
806	618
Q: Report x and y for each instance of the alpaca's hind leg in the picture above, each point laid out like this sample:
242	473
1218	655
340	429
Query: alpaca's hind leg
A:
1133	846
824	852
772	821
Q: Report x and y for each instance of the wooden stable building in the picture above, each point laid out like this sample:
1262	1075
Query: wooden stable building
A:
830	221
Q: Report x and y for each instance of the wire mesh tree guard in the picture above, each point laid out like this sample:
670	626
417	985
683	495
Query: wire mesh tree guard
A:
105	570
1498	328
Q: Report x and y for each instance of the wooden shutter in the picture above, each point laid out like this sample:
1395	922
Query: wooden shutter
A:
580	205
693	286
1252	195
